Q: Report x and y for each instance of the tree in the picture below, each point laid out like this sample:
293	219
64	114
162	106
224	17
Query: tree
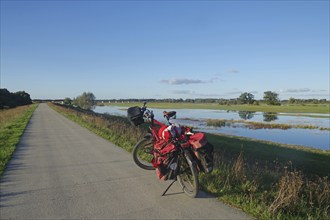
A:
85	101
67	101
246	98
6	99
271	98
292	100
11	100
22	98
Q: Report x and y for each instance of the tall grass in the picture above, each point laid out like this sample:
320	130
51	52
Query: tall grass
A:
268	191
247	175
12	125
258	125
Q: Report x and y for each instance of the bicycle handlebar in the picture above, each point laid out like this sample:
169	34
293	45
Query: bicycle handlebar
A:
150	115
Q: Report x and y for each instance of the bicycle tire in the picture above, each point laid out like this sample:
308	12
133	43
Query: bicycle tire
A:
142	153
188	176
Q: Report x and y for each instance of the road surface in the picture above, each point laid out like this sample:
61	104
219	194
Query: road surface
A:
63	171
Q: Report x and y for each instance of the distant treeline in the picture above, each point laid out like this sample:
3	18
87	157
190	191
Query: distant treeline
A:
235	101
11	100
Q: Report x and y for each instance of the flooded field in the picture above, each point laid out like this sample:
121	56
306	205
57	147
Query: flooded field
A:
315	138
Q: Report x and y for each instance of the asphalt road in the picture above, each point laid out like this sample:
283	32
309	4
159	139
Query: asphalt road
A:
63	171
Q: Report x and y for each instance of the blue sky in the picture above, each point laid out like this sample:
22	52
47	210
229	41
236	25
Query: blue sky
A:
165	49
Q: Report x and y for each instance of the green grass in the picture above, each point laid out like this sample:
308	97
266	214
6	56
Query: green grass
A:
12	126
309	160
267	180
320	108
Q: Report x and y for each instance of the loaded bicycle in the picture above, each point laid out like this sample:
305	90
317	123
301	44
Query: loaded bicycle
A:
175	152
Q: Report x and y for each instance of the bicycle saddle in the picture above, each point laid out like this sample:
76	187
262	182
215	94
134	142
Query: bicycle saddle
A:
169	114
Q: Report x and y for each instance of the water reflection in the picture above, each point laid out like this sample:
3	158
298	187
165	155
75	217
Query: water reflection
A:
270	116
246	115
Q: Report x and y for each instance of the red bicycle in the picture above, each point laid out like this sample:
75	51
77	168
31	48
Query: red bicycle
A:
175	152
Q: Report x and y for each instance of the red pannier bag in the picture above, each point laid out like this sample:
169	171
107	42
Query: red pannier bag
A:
163	156
203	151
198	140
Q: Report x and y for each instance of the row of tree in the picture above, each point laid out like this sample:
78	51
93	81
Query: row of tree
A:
87	100
270	98
11	100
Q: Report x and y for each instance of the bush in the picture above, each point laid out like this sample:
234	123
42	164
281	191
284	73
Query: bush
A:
11	100
85	101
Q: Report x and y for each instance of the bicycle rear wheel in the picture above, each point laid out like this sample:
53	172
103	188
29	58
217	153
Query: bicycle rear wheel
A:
188	175
143	153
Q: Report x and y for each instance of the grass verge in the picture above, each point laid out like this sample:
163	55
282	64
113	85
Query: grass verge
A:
12	125
266	180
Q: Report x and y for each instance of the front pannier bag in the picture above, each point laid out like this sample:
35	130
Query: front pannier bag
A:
203	151
135	115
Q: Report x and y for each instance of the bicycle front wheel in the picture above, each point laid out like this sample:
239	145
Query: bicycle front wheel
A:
188	175
143	153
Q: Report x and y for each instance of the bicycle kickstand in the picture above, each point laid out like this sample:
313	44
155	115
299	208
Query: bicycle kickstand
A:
169	187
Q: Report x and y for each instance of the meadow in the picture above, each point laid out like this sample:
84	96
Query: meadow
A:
12	124
265	179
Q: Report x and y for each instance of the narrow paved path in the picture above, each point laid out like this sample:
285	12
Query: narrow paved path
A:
61	170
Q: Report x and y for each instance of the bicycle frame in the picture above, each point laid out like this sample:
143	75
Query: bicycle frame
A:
153	129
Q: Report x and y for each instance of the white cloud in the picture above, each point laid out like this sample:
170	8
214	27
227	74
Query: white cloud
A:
210	95
234	71
184	81
301	90
189	92
321	90
185	92
234	93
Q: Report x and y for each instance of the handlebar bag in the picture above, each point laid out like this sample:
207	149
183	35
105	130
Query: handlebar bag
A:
135	115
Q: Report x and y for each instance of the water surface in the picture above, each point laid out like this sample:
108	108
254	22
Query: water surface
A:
196	117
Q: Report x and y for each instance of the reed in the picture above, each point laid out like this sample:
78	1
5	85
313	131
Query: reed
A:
258	125
268	190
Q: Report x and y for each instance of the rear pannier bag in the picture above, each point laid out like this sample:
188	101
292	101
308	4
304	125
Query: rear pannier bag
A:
135	115
203	151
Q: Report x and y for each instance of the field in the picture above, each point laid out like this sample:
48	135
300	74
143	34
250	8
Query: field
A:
310	108
12	125
265	179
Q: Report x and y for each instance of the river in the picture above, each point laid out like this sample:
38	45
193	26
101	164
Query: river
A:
314	138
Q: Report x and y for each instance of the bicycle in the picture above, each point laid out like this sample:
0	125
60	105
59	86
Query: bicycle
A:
177	158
